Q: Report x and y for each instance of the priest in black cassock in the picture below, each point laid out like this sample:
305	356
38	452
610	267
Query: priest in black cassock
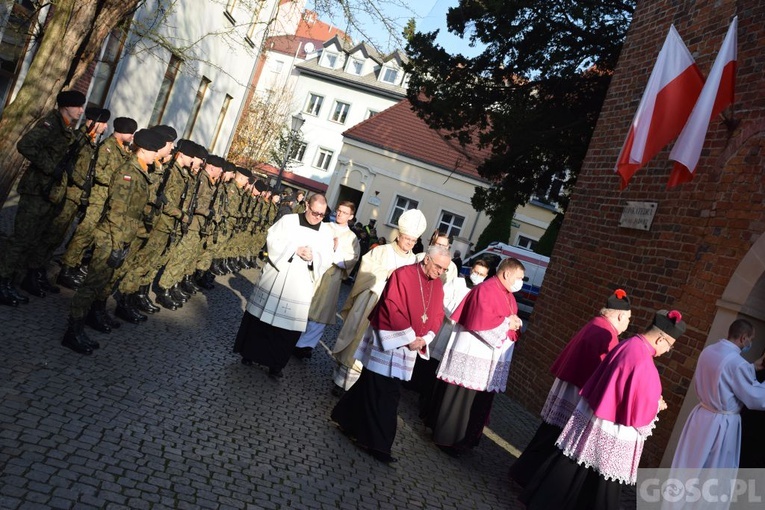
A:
402	324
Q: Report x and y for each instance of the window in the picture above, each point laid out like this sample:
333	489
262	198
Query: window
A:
102	79
329	59
340	112
201	91
371	113
355	66
164	90
254	24
389	75
526	242
399	206
313	105
229	12
298	152
324	159
219	123
450	223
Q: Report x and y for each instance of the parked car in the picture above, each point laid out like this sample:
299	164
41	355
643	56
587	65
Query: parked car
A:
535	264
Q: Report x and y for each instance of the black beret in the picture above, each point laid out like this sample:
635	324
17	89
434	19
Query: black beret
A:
618	300
216	161
185	146
199	151
670	322
125	125
260	185
244	171
229	167
168	132
97	114
70	98
149	139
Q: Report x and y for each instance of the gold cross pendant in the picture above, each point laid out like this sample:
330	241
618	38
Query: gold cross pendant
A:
424	318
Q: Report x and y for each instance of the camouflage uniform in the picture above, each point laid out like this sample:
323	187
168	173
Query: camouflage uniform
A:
184	256
111	156
129	192
45	145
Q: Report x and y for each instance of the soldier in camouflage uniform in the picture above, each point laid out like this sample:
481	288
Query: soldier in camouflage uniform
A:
226	211
126	309
81	181
155	253
183	259
112	154
299	207
123	215
41	190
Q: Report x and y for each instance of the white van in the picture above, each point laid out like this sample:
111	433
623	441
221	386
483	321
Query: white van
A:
535	264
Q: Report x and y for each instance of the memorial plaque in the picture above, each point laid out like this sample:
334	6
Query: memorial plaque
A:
638	215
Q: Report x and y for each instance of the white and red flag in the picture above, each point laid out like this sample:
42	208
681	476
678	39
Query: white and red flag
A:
716	96
671	92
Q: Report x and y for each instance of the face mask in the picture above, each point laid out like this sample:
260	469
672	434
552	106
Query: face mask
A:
476	278
746	348
518	285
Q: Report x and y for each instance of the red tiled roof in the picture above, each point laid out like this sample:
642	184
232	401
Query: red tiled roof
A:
289	178
290	44
400	130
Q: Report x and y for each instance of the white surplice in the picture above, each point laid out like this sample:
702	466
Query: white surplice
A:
724	381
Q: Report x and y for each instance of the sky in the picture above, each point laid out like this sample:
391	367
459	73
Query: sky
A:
429	15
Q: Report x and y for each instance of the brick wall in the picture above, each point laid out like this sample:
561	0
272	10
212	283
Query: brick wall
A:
701	230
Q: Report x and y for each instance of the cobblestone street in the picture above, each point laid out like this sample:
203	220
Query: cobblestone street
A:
165	416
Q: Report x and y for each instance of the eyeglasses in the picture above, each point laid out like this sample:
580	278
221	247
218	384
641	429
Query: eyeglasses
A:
479	274
316	214
670	345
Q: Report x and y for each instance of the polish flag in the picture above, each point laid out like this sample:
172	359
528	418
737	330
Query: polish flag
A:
716	96
672	90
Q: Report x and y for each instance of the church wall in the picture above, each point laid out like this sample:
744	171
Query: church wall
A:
701	230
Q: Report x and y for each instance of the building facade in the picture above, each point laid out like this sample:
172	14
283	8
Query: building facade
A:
703	253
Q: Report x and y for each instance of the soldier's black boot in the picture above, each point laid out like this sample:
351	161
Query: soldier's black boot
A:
178	295
126	312
187	287
216	269
132	302
6	297
165	299
75	337
210	279
70	278
190	280
143	302
111	320
45	284
31	284
96	319
21	298
201	279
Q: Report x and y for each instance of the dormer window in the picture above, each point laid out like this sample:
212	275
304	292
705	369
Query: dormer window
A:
329	59
389	75
355	66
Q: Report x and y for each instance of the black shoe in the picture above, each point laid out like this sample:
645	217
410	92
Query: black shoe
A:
302	352
143	302
189	279
177	294
111	320
131	300
126	312
275	373
70	278
45	284
31	285
187	287
96	318
165	299
208	280
383	457
6	296
337	391
216	269
75	337
247	362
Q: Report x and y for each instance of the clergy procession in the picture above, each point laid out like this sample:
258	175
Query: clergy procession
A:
143	210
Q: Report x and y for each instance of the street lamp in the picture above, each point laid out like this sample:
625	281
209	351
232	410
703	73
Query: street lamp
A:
297	123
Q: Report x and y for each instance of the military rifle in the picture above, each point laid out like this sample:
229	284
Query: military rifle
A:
87	186
66	164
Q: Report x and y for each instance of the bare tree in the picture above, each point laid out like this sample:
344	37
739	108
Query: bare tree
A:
260	128
70	40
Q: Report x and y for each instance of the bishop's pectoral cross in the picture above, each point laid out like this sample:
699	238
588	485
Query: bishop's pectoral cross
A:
424	317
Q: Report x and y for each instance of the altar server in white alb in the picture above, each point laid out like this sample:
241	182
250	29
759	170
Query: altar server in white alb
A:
299	252
724	382
323	309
